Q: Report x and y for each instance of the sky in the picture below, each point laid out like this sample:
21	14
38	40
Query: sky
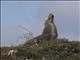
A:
32	15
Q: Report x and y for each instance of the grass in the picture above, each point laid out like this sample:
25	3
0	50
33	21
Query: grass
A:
63	50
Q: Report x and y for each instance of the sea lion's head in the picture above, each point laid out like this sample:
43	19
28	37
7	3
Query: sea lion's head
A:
51	17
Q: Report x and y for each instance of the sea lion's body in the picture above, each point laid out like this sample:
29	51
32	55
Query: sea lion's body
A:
50	30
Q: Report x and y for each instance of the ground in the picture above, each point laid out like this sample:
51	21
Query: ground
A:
62	50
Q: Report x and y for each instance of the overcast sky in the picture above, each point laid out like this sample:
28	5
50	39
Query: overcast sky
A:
32	15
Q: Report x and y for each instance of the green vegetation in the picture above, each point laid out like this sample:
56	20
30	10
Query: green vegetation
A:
63	50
